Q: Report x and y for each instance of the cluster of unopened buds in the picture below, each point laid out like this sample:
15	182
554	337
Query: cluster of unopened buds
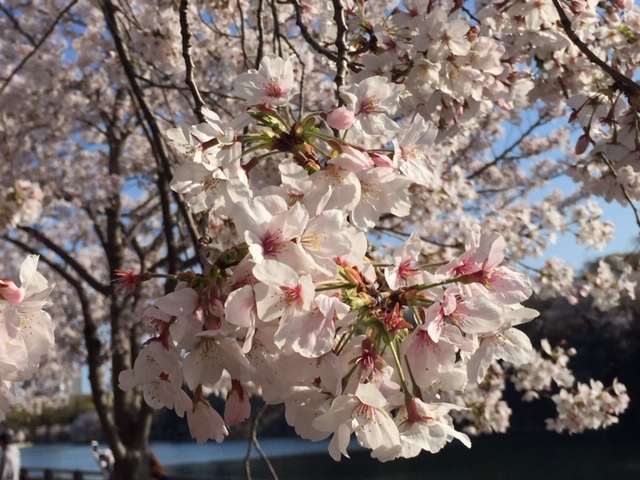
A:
298	309
26	330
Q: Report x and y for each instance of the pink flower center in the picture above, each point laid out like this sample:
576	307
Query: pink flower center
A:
366	411
367	105
425	338
405	270
274	90
292	294
271	243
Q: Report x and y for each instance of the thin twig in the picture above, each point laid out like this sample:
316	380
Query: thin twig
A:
541	121
302	74
254	438
622	82
16	24
260	49
37	45
341	45
470	14
245	58
276	28
68	258
307	36
185	32
247	457
401	234
624	191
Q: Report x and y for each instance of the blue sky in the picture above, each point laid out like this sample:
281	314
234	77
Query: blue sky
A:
625	239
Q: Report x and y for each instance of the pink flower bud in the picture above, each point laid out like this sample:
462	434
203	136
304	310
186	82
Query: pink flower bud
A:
237	407
582	143
381	160
473	33
10	292
504	105
340	118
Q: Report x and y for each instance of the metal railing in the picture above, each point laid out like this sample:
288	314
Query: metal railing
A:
51	474
60	474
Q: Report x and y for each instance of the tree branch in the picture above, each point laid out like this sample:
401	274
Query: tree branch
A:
155	140
245	59
307	36
37	45
341	60
541	121
68	259
260	46
185	32
16	24
624	191
622	82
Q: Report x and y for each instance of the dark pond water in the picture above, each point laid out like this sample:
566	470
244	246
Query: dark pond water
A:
531	456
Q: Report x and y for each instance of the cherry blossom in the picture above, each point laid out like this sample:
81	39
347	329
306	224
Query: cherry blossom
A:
341	205
26	330
370	100
273	83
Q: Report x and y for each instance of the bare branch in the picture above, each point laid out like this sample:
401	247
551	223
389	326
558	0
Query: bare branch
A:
622	82
277	36
155	140
260	47
254	439
68	259
188	61
245	58
624	191
341	45
16	24
37	45
541	121
307	36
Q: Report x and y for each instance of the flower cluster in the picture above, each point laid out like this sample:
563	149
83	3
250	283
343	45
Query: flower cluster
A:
485	410
580	406
588	407
541	373
26	330
298	307
20	204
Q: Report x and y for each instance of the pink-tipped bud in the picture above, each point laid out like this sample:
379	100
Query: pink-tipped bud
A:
125	281
340	118
504	105
237	407
381	160
473	33
10	292
582	144
353	276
